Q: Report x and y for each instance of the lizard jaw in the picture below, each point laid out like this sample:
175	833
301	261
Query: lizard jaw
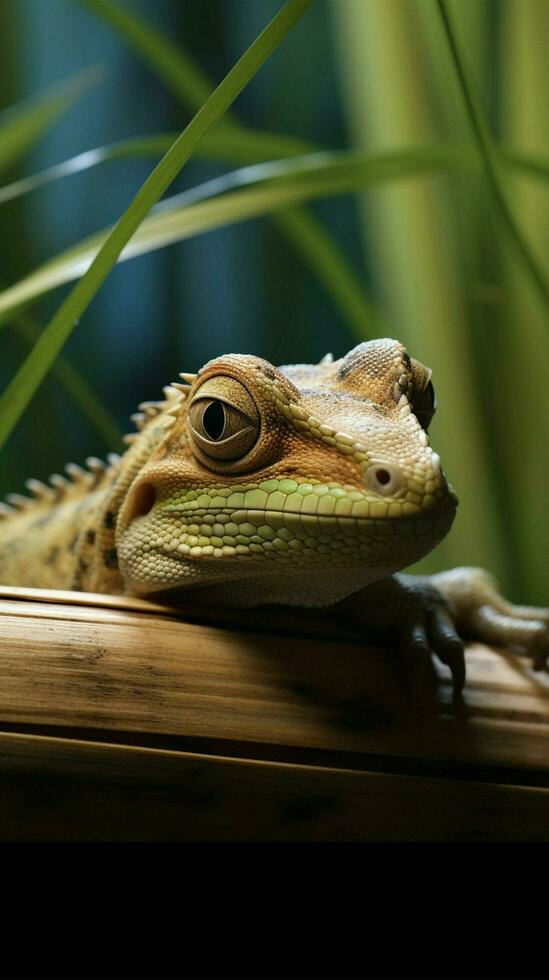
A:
173	545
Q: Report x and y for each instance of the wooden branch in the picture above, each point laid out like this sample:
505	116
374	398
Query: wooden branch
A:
288	723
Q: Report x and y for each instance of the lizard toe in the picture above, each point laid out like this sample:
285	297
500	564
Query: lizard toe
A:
417	655
493	626
448	645
431	633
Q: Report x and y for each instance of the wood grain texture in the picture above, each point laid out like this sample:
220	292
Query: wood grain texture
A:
99	668
117	702
61	790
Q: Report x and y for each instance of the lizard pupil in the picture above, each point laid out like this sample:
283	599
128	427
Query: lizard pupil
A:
213	420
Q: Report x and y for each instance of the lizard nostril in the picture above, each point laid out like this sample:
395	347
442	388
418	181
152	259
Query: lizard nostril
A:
385	480
143	501
383	477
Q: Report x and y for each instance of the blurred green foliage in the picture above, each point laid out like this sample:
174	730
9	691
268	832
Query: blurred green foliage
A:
428	259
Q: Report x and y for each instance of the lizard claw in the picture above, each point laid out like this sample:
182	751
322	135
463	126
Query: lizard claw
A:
430	631
448	646
411	609
431	614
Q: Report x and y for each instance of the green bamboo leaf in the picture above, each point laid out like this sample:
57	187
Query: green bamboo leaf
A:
133	148
527	164
221	145
22	125
306	233
239	196
36	366
191	87
215	145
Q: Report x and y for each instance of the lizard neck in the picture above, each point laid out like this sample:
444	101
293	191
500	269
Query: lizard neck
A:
65	536
44	545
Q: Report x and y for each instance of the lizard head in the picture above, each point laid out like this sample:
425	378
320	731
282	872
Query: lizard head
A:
289	476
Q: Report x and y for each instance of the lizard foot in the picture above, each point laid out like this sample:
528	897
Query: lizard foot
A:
429	631
413	611
481	613
430	615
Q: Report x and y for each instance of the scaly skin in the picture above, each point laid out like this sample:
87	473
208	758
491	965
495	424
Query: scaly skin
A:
306	484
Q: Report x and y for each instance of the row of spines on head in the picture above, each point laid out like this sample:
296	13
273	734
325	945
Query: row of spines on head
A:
174	394
87	479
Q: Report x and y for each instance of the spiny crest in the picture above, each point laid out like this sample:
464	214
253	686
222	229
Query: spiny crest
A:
181	391
58	486
174	394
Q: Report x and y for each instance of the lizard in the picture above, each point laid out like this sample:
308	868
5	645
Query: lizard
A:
250	484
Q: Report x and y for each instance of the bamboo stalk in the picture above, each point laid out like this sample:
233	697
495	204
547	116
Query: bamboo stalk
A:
523	359
410	235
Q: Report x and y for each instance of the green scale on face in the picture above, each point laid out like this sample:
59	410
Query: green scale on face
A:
309	518
344	475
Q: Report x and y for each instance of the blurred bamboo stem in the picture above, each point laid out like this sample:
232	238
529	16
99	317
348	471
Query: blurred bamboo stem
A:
408	231
524	356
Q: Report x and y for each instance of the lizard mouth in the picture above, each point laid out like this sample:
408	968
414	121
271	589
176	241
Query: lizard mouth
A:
158	554
285	530
194	527
303	500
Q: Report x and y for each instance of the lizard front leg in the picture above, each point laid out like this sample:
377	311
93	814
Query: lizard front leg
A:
432	614
480	612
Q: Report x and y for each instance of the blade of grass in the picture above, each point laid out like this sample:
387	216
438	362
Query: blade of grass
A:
271	187
214	146
22	125
136	147
83	395
476	236
306	234
239	196
36	366
189	85
220	146
491	163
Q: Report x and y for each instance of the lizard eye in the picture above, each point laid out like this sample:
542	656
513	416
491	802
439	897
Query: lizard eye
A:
424	398
224	419
213	417
425	406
